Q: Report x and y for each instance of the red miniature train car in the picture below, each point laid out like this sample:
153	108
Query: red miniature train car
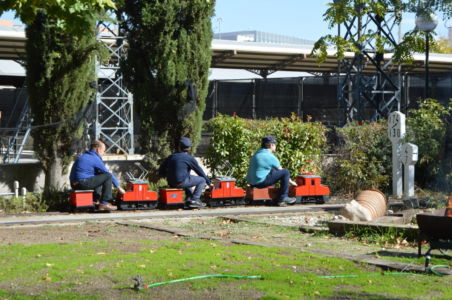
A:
309	190
262	195
81	199
224	193
171	198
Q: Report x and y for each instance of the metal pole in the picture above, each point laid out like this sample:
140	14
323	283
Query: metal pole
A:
427	94
254	99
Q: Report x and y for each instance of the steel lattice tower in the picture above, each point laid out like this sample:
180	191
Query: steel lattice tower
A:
368	95
114	103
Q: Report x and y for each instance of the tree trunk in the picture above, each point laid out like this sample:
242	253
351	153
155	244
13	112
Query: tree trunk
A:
55	177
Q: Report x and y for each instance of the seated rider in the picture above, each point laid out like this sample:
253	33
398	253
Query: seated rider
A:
89	173
265	170
176	168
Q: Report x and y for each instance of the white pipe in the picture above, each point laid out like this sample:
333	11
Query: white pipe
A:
16	189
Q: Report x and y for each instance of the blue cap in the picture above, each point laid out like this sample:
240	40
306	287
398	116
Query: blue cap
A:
185	142
269	139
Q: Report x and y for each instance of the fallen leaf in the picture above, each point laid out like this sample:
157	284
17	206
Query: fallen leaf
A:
101	253
46	277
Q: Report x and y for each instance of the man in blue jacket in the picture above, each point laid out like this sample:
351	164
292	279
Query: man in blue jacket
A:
265	170
176	168
89	173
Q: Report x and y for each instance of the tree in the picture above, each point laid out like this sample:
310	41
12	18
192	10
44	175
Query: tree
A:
73	16
59	70
167	69
60	59
345	11
442	46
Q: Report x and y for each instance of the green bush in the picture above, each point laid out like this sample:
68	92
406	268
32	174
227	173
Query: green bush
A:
364	156
234	140
363	159
31	202
426	127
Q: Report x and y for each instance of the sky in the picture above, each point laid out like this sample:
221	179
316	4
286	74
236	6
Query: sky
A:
297	18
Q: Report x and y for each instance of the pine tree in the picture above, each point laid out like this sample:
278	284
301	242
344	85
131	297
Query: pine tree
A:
169	46
59	69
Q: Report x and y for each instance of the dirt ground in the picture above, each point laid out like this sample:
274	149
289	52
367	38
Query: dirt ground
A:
73	233
259	229
285	234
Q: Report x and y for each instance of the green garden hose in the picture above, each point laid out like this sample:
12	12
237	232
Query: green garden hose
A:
432	269
139	282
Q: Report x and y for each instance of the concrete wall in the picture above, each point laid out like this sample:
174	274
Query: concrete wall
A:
31	176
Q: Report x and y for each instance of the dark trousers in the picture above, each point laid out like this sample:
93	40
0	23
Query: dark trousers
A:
101	184
273	177
193	181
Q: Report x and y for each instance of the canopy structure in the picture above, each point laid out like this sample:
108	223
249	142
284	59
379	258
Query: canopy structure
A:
255	56
265	58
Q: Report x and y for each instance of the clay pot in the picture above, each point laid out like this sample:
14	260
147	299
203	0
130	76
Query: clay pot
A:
375	201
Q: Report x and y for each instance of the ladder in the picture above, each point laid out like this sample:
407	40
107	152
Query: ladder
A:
17	142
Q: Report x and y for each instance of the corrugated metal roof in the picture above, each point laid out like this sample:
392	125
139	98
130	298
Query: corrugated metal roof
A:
246	55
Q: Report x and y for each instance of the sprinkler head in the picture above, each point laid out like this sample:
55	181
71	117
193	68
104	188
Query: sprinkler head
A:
138	285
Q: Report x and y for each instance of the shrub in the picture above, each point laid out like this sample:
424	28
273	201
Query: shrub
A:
364	159
426	127
31	202
234	140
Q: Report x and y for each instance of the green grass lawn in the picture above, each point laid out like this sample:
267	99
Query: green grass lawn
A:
104	270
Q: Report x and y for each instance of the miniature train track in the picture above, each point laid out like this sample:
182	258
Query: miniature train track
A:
61	218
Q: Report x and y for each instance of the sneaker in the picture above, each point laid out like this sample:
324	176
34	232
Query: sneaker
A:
288	200
281	204
107	206
196	204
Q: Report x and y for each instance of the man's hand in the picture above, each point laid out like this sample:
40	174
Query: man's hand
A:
121	190
292	182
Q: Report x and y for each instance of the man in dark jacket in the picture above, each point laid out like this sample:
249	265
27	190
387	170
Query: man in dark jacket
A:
176	168
89	173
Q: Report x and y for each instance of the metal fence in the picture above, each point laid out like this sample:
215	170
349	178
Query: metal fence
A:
313	97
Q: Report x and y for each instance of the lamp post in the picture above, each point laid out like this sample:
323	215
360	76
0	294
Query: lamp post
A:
426	22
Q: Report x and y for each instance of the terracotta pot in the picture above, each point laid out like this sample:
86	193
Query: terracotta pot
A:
375	201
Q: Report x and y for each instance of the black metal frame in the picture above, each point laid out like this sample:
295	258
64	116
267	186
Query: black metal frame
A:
378	91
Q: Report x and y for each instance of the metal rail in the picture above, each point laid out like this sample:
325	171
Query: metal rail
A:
39	219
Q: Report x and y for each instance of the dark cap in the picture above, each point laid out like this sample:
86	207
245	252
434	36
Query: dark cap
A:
185	142
268	139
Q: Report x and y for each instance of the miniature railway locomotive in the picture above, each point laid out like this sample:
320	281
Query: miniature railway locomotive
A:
309	190
137	196
224	192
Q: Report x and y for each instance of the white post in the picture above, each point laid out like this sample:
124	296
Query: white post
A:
16	189
409	158
396	133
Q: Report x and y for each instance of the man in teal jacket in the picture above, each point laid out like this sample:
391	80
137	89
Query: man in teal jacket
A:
265	170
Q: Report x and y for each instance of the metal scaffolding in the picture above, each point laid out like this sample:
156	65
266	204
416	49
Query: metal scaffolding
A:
366	96
114	103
